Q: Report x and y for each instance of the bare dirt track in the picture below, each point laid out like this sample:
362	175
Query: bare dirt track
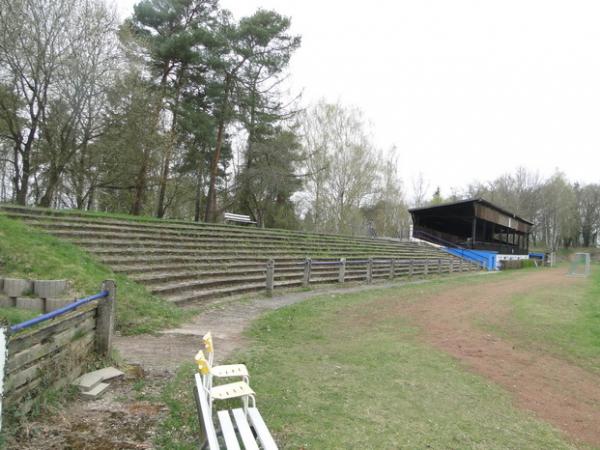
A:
556	390
226	320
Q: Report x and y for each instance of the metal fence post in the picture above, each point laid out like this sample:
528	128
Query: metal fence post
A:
342	273
105	321
270	276
4	327
392	268
370	271
307	267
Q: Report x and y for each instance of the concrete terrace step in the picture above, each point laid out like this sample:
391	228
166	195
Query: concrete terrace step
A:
101	231
379	243
225	245
270	253
141	232
150	278
258	277
151	269
190	297
178	226
141	264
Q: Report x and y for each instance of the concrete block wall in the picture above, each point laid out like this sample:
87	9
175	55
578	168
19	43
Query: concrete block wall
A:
34	295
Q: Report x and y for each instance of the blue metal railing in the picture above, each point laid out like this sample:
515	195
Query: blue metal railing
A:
455	249
57	312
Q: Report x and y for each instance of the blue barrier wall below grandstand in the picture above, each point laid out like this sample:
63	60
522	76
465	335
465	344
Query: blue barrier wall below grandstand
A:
485	258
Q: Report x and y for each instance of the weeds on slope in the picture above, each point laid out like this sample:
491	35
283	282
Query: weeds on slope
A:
28	253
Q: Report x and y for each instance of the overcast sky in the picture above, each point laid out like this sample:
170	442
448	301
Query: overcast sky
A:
465	89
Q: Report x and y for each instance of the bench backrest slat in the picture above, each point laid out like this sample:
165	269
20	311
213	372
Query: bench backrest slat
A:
207	426
238	218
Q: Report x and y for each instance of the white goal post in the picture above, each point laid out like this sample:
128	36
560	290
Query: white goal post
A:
580	265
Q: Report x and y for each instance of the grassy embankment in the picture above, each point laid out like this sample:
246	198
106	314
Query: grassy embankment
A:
329	376
28	253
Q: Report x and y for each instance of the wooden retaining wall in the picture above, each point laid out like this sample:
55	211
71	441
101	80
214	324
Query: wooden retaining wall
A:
55	352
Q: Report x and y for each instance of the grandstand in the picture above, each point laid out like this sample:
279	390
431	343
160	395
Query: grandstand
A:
186	262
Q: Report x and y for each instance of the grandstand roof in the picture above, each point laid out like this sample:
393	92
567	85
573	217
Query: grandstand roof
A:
474	201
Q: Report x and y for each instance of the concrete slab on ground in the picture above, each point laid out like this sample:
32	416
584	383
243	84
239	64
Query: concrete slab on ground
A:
90	380
96	391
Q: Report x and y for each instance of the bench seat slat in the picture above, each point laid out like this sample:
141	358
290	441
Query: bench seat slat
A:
231	441
264	435
244	429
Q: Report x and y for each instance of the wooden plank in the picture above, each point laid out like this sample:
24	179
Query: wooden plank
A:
69	357
23	398
26	339
244	429
27	356
66	353
228	431
264	435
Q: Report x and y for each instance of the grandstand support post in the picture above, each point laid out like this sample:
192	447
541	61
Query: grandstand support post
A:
270	277
105	321
370	271
426	271
307	268
392	268
411	268
342	273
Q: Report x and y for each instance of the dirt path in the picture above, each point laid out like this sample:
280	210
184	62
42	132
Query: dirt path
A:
557	391
227	322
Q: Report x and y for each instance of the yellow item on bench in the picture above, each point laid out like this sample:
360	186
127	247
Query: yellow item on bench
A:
225	370
202	362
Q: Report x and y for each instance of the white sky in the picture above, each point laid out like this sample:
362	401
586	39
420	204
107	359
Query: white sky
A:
466	89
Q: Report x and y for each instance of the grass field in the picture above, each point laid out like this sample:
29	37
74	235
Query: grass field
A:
27	253
564	322
332	373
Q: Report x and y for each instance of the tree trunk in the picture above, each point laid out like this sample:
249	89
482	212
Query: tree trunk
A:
162	182
21	178
46	200
140	185
197	209
211	201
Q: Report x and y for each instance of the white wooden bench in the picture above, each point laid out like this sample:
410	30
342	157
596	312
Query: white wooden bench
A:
237	429
239	218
